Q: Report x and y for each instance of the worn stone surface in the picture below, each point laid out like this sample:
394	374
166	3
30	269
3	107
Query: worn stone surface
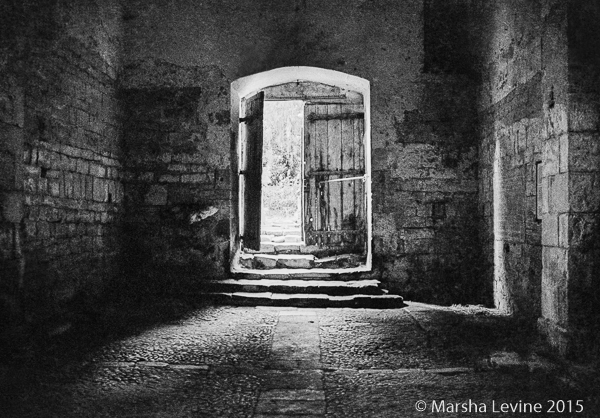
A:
216	361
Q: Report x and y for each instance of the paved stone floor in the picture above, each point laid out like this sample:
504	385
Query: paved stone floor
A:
214	361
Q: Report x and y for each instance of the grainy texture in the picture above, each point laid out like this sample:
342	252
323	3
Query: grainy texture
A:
61	185
423	118
116	148
538	111
511	112
214	362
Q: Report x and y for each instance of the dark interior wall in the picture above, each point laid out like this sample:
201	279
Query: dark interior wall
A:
176	154
584	176
61	191
424	136
539	103
512	130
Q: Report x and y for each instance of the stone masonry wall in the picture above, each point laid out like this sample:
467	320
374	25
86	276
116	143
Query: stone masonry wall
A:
176	149
584	178
424	127
61	193
512	132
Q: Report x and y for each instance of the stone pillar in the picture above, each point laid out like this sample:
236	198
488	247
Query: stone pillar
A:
571	177
584	176
555	192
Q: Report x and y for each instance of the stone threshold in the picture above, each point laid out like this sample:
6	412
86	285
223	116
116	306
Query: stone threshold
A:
307	300
299	286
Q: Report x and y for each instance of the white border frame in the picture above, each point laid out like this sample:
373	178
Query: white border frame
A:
246	86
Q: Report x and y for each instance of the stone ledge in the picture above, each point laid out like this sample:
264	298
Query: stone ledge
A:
308	300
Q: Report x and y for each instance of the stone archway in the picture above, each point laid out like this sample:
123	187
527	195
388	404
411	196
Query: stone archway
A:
250	86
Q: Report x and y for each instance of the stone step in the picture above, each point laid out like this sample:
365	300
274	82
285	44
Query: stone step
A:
284	274
268	261
316	300
278	239
281	231
328	287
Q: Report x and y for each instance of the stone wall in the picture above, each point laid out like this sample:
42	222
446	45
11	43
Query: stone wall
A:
61	190
424	136
176	153
584	177
539	104
511	111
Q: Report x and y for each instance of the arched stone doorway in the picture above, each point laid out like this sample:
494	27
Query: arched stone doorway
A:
336	182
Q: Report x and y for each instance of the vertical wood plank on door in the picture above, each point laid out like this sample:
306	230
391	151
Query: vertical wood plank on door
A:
322	135
348	187
310	164
334	164
359	190
335	141
252	170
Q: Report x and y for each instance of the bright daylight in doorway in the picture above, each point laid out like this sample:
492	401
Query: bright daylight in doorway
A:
283	126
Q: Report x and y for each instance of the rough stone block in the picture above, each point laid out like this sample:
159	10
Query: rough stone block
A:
563	230
69	185
559	192
169	178
583	191
556	120
551	156
12	207
550	230
89	188
563	158
192	178
157	196
583	114
100	190
78	193
97	170
583	230
83	166
584	152
265	261
554	284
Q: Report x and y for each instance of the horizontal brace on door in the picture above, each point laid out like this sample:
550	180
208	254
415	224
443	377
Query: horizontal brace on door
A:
344	179
343	231
304	97
350	115
335	173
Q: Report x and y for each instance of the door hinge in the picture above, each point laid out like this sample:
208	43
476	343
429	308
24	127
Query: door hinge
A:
247	119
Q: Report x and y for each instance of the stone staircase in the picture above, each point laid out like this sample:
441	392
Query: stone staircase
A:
314	293
310	285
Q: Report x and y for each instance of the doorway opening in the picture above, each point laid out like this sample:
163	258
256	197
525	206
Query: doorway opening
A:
301	191
283	130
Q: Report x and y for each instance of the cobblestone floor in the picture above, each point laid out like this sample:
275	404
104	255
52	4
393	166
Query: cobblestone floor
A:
268	362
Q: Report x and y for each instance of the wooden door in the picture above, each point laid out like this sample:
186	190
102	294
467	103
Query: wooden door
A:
251	170
334	170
